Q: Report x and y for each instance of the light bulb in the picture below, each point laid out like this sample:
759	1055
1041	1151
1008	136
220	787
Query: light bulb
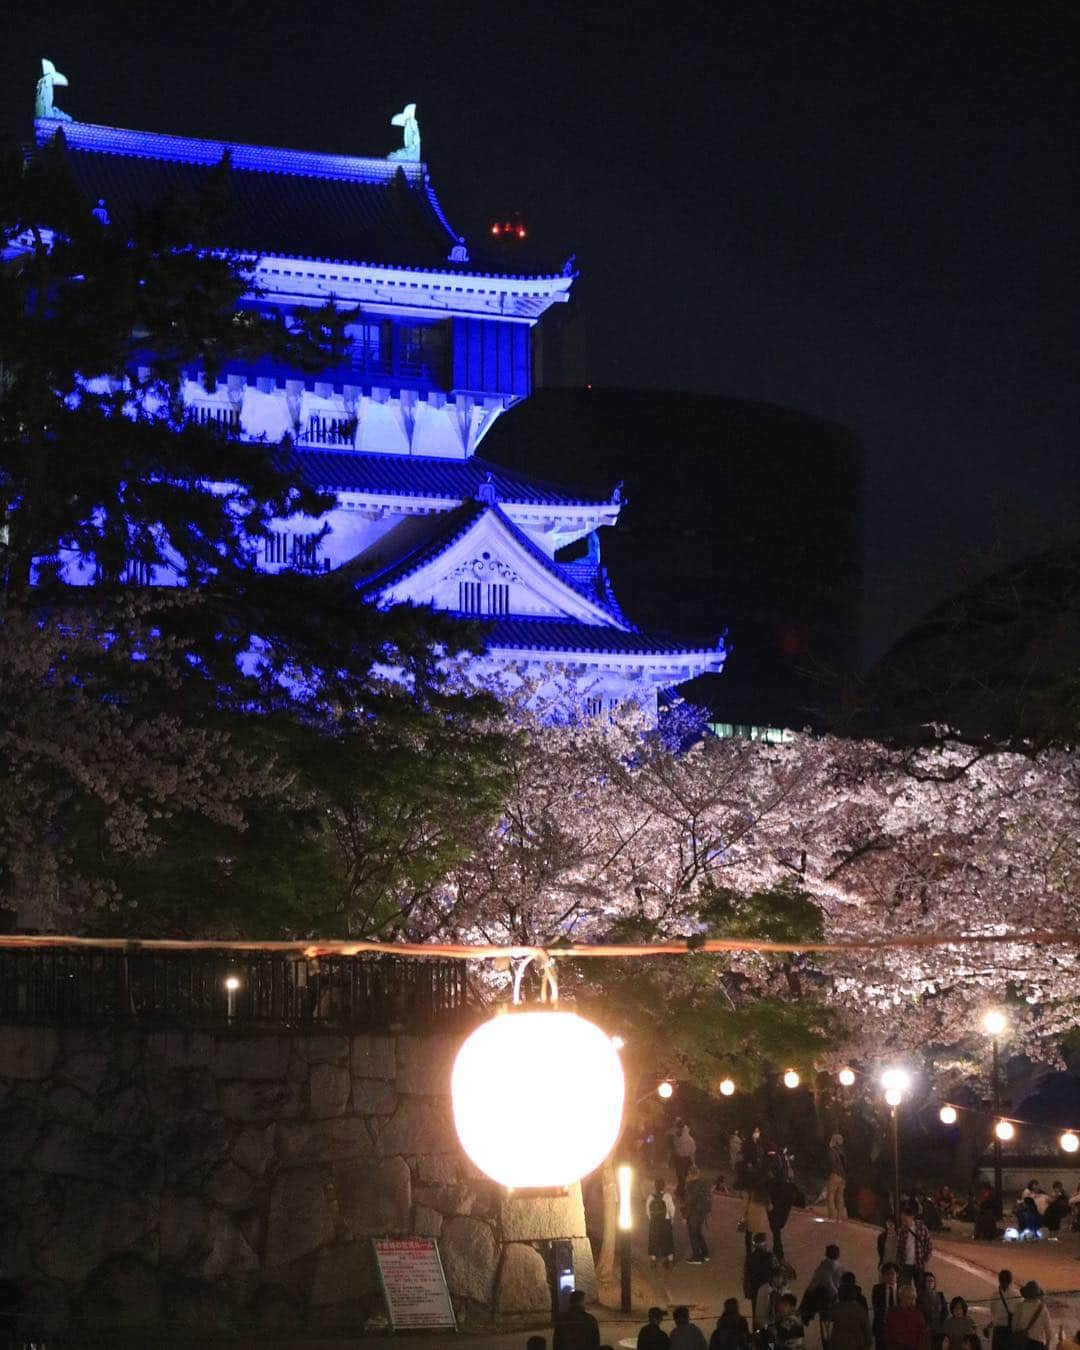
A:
232	984
1069	1142
994	1022
791	1079
727	1087
948	1115
846	1077
893	1096
1004	1130
665	1090
896	1080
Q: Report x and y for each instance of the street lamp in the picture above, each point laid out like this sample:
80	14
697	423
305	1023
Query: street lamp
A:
994	1023
896	1082
948	1115
625	1176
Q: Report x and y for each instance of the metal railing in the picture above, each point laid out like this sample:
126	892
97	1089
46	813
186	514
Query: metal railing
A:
223	989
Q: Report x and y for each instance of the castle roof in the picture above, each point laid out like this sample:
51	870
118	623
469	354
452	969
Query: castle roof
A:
283	203
449	480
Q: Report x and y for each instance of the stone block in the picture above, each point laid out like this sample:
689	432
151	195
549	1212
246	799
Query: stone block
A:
522	1285
374	1198
20	1126
253	1149
193	1305
585	1268
28	1052
178	1049
446	1199
227	1253
469	1256
230	1186
424	1064
374	1057
123	1292
274	1310
252	1101
444	1169
532	1218
324	1140
66	1150
176	1090
324	1049
373	1097
328	1088
194	1145
127	1115
300	1220
68	1104
417	1127
426	1222
74	1226
85	1069
183	1231
344	1273
251	1057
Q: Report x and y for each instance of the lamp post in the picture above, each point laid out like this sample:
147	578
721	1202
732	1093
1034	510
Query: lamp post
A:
895	1082
624	1174
994	1023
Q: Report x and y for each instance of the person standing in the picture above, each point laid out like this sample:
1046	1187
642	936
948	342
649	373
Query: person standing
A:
697	1203
685	1335
906	1328
822	1291
767	1307
758	1268
1003	1308
781	1197
837	1182
850	1320
735	1155
931	1303
576	1329
652	1336
660	1209
683	1149
1031	1319
884	1297
958	1324
913	1246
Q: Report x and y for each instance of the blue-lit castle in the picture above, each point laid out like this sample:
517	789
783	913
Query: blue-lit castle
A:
439	346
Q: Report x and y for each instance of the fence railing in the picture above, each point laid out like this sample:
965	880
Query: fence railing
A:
224	989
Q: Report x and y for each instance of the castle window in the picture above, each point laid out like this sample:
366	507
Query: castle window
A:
276	547
469	595
498	598
138	574
594	706
369	350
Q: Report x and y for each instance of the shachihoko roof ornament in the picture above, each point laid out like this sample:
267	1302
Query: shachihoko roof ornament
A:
43	99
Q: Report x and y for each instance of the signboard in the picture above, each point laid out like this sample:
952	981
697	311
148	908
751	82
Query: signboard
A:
413	1283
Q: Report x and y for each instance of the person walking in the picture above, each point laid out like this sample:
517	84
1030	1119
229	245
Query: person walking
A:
850	1321
758	1267
822	1291
576	1329
697	1204
884	1297
652	1336
1004	1306
683	1150
1031	1318
913	1246
906	1328
837	1183
660	1210
685	1335
732	1331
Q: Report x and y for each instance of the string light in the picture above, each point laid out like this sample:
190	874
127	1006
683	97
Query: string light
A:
1004	1130
727	1087
664	1089
791	1079
1069	1142
947	1115
846	1077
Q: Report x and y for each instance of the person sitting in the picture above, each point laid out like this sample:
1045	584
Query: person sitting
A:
986	1217
1027	1218
1058	1207
732	1330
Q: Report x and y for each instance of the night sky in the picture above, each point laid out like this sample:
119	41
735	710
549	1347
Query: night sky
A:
865	211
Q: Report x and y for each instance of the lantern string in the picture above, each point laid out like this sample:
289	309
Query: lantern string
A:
314	947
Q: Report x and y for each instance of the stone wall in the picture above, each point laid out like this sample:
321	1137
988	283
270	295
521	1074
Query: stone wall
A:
229	1181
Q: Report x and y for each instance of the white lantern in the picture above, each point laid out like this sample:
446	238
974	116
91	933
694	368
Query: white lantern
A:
1069	1141
947	1115
847	1077
664	1089
727	1087
1004	1130
791	1079
537	1097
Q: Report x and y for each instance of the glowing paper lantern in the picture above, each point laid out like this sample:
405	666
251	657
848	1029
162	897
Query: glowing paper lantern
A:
947	1115
994	1022
1069	1142
791	1079
664	1090
1004	1130
847	1077
537	1097
893	1096
727	1087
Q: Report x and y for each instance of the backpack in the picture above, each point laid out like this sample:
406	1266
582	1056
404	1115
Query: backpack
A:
657	1207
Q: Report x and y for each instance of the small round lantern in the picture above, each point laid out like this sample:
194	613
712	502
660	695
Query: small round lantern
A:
538	1098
